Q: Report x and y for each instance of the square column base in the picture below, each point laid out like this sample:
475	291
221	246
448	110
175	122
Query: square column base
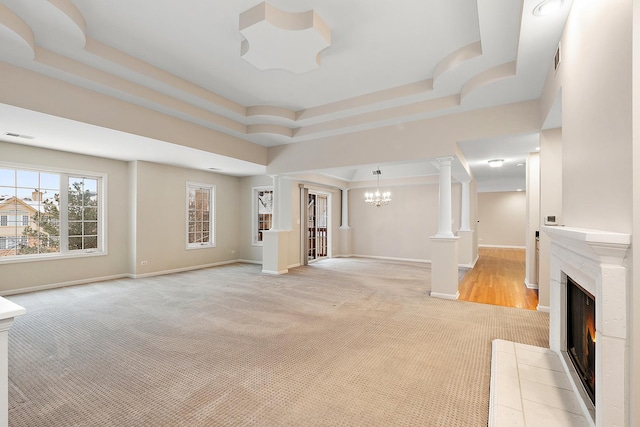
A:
275	251
444	267
467	253
345	241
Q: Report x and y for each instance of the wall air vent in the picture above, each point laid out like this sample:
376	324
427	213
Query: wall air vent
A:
17	135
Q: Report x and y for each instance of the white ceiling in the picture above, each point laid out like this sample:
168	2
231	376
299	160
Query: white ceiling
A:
388	63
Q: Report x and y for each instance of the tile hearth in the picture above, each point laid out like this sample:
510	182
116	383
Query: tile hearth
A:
529	387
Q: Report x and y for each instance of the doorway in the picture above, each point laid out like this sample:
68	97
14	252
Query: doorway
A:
317	226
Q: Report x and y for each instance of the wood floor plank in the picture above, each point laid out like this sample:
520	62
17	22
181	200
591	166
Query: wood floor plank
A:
498	279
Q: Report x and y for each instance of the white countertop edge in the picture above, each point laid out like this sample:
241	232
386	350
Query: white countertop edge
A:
10	309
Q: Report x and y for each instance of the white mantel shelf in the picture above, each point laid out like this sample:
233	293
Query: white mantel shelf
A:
587	235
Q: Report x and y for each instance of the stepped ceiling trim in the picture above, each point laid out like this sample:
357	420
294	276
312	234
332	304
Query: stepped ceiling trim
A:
109	70
15	24
275	39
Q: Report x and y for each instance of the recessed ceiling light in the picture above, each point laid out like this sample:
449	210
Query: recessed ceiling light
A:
519	189
547	7
537	148
521	164
496	163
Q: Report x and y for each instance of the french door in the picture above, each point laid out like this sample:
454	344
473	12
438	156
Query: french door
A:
315	229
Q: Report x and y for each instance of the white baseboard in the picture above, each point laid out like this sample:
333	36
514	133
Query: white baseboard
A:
275	272
182	269
63	284
530	285
293	266
250	261
383	258
469	266
445	296
543	308
502	246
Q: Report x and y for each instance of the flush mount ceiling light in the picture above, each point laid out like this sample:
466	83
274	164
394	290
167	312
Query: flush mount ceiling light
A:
496	163
280	40
547	7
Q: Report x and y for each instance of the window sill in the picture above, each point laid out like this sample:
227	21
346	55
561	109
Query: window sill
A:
209	246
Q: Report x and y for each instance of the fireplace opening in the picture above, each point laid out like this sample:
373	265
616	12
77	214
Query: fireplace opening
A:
581	334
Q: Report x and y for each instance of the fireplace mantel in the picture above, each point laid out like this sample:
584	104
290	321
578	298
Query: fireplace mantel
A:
597	261
603	246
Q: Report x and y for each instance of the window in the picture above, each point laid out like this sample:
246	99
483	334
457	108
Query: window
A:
262	212
200	213
82	213
49	213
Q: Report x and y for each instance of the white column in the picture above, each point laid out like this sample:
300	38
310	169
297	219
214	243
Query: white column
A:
444	220
8	310
464	208
281	203
345	208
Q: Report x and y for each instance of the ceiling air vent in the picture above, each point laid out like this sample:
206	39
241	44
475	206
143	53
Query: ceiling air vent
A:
556	59
17	135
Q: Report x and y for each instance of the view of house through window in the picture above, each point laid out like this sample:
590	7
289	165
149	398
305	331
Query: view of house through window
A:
263	211
48	213
200	231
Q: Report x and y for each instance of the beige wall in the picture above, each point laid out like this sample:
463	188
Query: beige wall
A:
401	229
596	116
161	219
20	275
372	146
550	203
502	219
634	297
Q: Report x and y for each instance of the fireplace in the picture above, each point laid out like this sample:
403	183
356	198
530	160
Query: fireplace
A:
595	261
581	335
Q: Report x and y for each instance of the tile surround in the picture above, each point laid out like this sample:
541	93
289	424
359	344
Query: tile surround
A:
529	388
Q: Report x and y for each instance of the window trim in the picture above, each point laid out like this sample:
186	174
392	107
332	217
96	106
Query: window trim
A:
254	213
212	216
102	249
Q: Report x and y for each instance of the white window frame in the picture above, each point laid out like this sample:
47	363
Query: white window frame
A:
212	216
254	214
64	252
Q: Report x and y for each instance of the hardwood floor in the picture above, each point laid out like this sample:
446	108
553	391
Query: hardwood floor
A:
498	279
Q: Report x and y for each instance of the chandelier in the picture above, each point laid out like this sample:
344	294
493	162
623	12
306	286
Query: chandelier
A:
377	199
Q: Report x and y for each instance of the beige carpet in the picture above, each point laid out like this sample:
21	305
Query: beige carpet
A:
343	342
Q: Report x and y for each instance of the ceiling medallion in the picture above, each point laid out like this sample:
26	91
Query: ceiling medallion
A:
280	40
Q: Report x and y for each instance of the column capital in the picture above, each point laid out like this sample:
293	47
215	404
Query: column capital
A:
444	160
